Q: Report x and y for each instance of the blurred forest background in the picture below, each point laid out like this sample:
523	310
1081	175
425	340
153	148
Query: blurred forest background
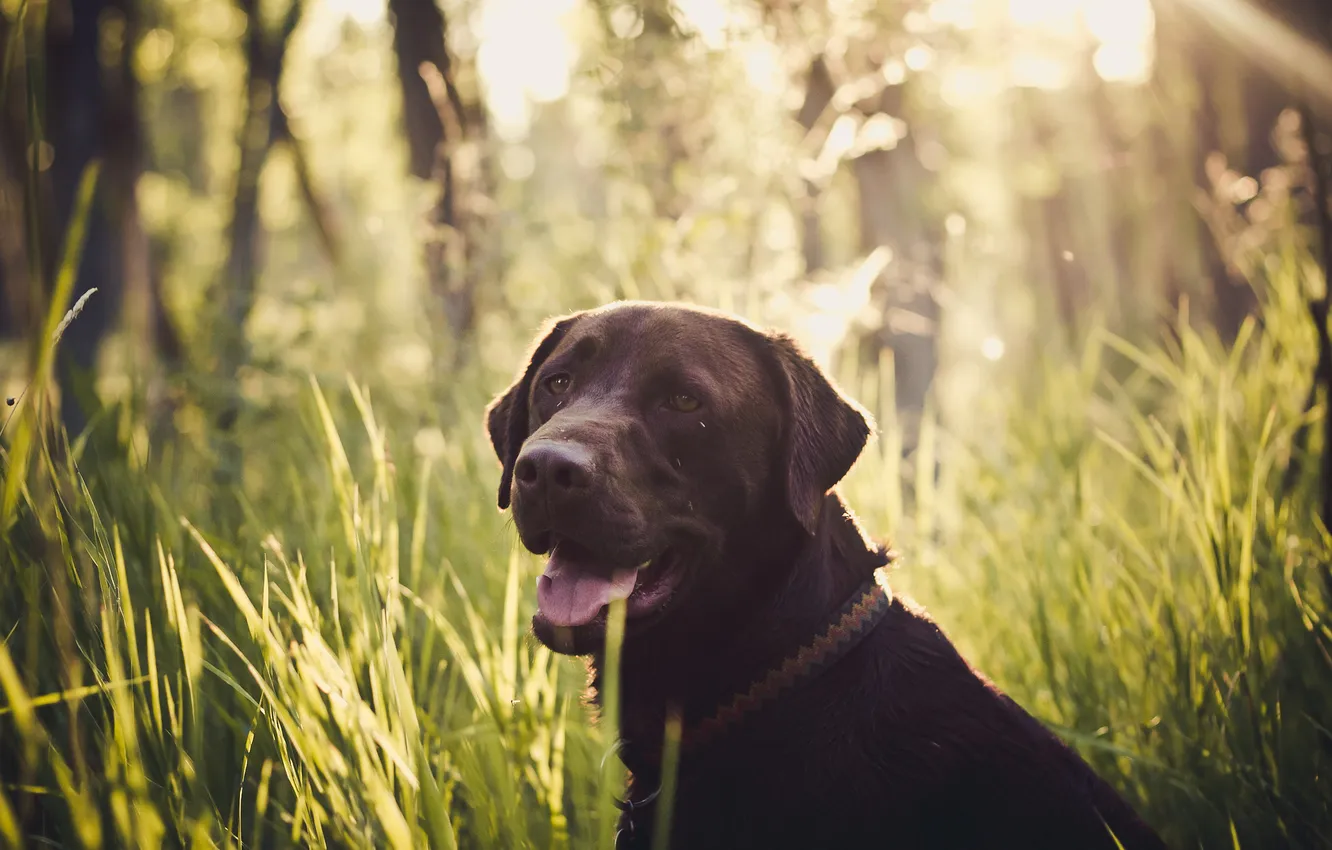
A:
1069	252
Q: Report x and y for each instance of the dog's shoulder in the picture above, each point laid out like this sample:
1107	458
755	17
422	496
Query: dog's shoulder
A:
956	753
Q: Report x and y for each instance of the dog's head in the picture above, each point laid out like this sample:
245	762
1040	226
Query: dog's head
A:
648	449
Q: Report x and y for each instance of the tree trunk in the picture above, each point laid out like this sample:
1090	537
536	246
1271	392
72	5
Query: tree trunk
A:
419	36
14	281
1186	47
147	320
76	120
265	53
433	115
892	184
819	91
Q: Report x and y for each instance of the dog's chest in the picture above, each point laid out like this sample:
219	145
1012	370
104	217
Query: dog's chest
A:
780	786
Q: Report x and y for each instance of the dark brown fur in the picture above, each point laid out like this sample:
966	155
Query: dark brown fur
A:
900	744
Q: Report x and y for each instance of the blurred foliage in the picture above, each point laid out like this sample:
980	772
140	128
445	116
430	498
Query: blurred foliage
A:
1062	250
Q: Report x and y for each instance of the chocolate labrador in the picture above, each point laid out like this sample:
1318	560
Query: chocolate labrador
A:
684	461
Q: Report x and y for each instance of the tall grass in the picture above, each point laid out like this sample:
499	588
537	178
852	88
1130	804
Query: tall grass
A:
346	664
155	688
1134	552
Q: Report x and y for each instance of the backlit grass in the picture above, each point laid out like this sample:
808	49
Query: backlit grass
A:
343	660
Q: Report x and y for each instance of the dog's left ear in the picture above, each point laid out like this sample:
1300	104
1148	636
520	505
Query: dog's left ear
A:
824	430
506	417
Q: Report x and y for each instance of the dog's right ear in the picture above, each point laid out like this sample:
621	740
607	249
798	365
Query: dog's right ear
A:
506	417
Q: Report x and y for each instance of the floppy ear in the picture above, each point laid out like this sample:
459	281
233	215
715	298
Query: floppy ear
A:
824	431
506	417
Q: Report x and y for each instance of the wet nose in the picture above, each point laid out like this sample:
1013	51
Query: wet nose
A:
553	470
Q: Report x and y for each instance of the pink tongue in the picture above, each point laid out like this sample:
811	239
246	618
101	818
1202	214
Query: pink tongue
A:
570	593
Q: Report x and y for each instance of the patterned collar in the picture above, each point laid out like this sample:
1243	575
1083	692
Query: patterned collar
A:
849	625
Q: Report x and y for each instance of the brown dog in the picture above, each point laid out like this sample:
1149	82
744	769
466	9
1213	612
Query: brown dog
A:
684	461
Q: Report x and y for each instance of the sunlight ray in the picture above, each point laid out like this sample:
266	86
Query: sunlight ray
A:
1288	54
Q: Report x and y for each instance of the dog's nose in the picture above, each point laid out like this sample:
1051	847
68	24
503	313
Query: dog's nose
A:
558	469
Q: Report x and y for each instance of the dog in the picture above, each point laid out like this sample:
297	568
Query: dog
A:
684	461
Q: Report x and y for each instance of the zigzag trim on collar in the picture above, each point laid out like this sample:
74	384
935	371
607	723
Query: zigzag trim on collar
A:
853	622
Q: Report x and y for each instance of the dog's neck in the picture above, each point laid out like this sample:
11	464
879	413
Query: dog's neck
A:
698	668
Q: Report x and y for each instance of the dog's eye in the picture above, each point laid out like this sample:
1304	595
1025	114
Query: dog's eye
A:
558	384
683	402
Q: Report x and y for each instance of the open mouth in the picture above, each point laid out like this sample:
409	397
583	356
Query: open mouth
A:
577	585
